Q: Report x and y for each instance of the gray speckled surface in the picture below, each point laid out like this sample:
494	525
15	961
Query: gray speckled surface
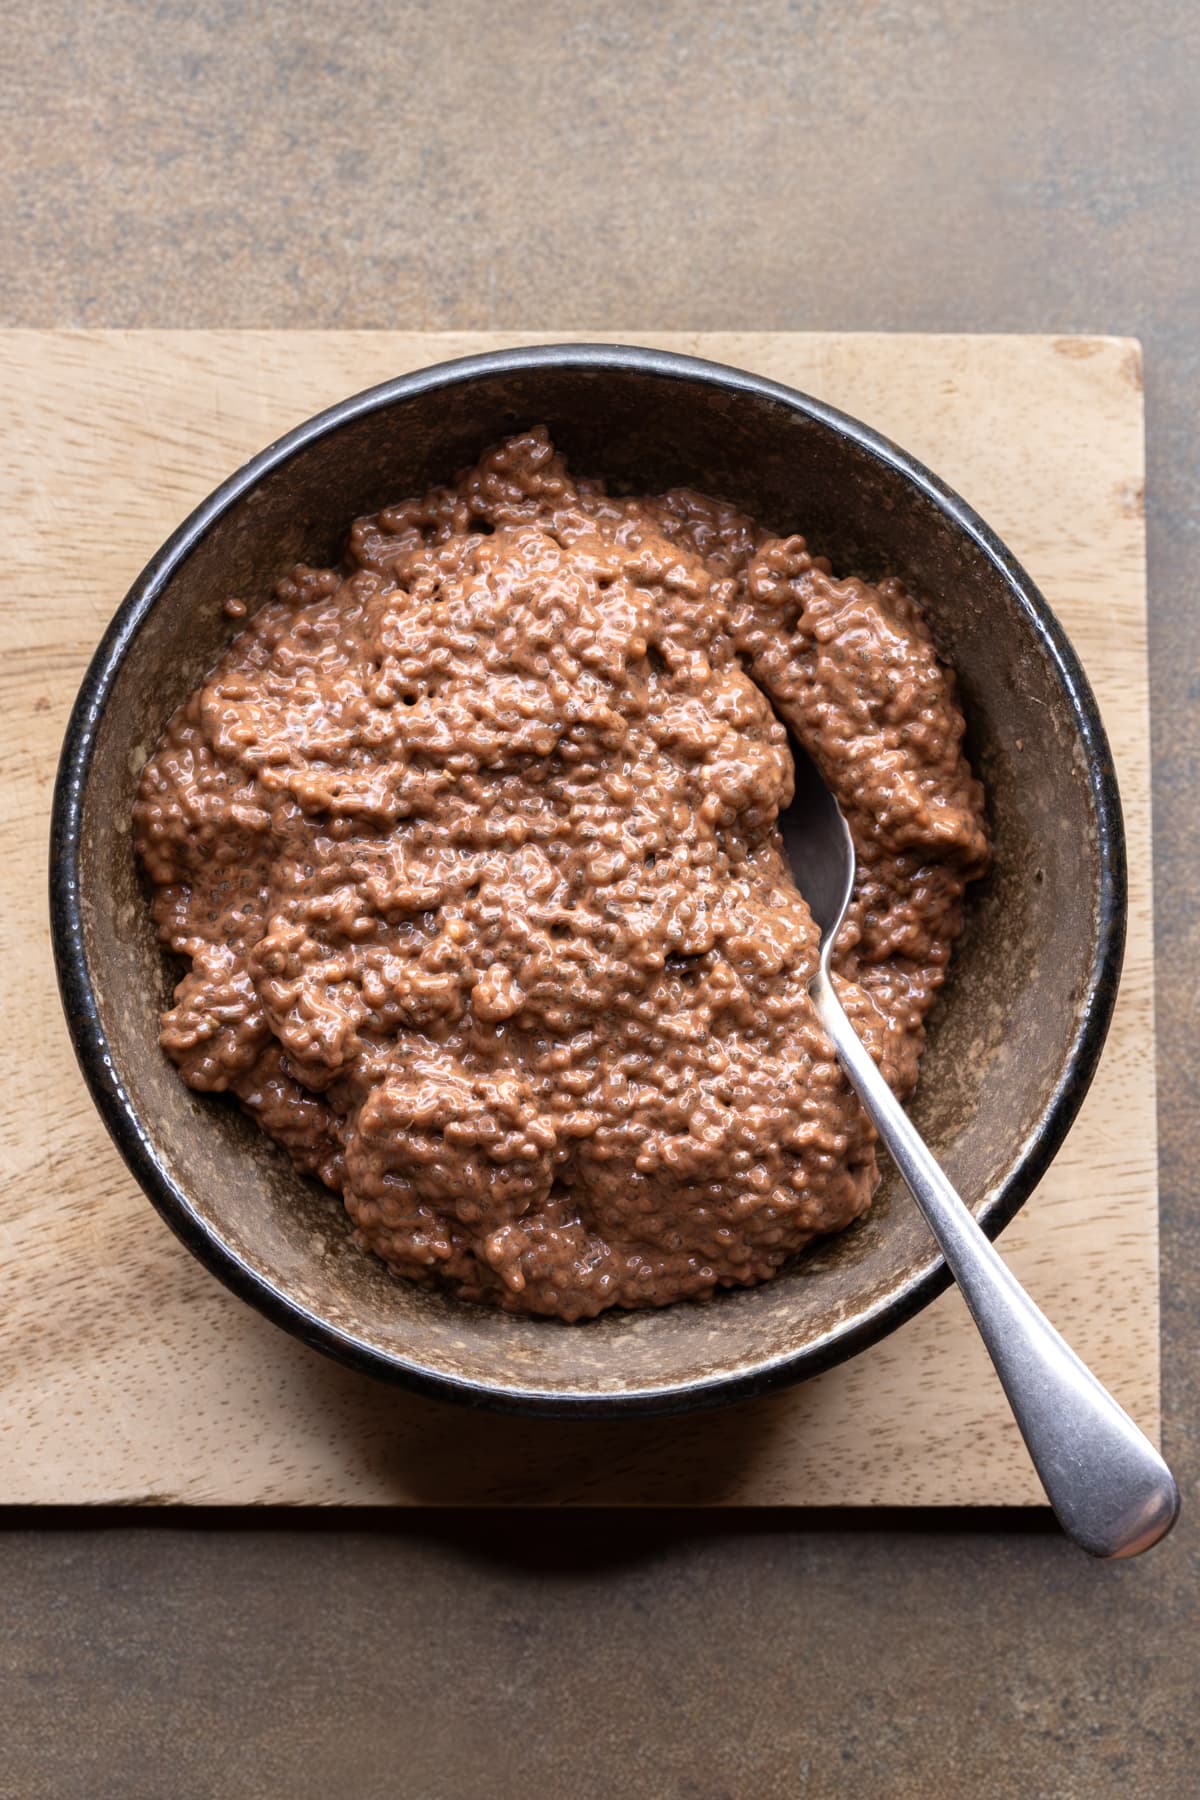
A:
949	166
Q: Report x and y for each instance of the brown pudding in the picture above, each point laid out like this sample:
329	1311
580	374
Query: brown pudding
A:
471	848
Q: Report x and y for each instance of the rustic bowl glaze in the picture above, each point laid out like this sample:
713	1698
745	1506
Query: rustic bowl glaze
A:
1013	1041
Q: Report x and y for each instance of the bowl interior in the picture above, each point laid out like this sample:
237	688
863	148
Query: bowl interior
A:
1001	1037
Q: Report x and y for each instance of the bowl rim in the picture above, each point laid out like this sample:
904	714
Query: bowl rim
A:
135	1142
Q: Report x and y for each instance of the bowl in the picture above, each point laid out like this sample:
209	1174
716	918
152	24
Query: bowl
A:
1013	1040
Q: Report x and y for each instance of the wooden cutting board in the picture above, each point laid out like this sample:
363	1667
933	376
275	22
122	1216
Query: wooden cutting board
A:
128	1373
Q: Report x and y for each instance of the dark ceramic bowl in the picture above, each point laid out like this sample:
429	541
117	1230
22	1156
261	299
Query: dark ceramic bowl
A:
1015	1036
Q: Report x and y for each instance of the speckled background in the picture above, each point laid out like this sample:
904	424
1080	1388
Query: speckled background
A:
946	166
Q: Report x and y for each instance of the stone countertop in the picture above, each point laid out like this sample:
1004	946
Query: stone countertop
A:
951	165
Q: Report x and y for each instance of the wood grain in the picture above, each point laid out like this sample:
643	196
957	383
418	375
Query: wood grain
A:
127	1372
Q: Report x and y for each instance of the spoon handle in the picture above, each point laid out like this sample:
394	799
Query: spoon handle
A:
1111	1490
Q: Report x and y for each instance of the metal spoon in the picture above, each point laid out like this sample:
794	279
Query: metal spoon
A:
1111	1490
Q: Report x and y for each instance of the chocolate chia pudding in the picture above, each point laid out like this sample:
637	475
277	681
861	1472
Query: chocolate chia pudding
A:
470	846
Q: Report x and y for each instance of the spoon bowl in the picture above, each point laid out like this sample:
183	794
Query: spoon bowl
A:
820	850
